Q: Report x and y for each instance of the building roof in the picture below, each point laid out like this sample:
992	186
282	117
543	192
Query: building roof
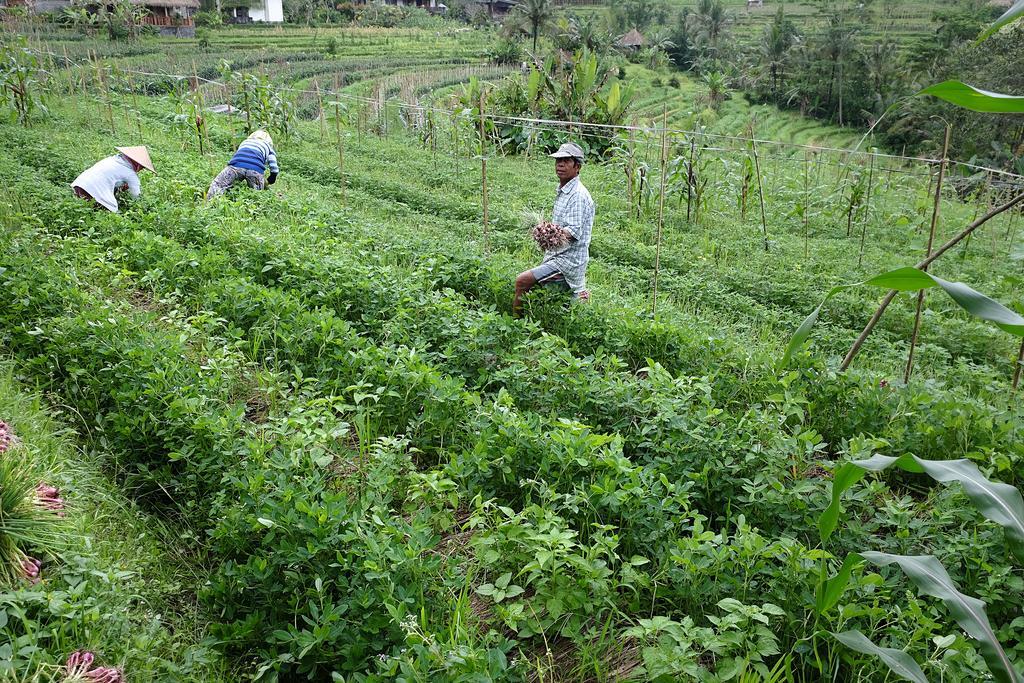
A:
632	39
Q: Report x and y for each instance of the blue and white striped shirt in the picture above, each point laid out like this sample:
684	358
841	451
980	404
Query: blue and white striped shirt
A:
255	155
574	211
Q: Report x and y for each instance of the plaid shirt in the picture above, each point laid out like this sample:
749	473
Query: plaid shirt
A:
574	211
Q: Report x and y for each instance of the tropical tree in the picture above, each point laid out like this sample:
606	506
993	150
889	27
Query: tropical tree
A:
537	15
81	18
710	23
884	73
681	51
778	38
837	47
638	14
717	88
578	32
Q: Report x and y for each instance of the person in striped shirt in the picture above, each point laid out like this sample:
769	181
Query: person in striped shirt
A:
253	158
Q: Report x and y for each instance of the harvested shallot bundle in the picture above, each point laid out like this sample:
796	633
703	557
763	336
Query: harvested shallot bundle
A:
546	234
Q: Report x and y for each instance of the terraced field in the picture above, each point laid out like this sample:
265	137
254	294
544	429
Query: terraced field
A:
367	470
900	20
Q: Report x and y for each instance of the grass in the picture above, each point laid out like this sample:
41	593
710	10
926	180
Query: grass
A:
122	583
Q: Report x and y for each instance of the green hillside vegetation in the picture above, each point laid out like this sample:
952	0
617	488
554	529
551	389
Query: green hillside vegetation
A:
299	435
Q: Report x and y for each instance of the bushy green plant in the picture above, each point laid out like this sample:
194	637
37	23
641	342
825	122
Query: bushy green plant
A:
506	51
203	36
208	19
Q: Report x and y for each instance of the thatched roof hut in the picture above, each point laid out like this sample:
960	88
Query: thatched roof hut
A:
632	40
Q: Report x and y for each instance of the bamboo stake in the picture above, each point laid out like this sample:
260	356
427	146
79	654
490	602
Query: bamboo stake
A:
135	104
1020	365
455	143
106	92
661	210
806	209
341	147
936	209
760	188
483	173
744	190
689	180
867	211
1011	230
924	264
630	169
71	75
320	104
197	110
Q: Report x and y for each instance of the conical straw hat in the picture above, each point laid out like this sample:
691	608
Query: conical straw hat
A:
139	155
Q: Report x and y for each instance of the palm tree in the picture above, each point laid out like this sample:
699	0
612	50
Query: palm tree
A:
590	34
885	72
778	39
839	43
538	14
711	21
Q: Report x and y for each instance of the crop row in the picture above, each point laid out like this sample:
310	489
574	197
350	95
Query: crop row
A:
835	412
273	314
94	344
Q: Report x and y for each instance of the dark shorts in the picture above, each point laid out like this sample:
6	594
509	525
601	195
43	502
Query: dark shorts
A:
548	275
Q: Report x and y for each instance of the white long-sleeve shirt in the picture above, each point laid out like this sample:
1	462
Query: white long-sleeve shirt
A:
104	177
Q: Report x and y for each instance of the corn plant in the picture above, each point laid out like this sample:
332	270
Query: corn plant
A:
21	84
912	280
997	502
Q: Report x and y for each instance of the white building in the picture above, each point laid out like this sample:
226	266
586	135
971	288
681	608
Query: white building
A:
258	10
266	10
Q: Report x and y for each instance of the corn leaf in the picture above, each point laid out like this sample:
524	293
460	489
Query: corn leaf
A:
996	501
828	593
1015	12
908	280
804	331
846	476
975	99
898	661
931	578
533	86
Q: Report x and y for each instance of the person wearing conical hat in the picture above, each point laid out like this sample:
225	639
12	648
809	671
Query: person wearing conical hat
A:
254	157
103	179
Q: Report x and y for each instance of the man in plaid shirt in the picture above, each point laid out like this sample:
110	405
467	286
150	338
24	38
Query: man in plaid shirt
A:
564	266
